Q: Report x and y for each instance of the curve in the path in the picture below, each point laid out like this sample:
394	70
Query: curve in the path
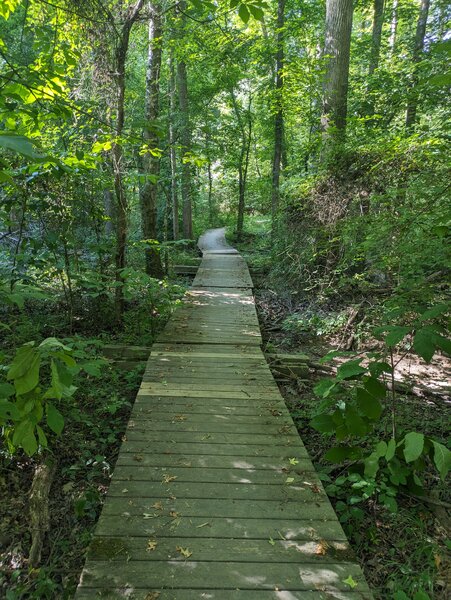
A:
213	241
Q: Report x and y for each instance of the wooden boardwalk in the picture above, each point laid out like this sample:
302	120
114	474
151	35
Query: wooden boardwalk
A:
213	495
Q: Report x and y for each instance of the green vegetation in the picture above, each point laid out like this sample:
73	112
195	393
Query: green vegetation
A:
317	133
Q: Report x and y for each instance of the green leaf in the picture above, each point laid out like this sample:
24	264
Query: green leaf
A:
57	386
351	582
434	311
244	13
25	370
55	419
6	390
423	343
19	144
371	465
42	437
381	449
391	449
323	423
341	453
350	369
24	437
354	422
8	411
443	343
442	459
256	12
21	361
324	387
413	446
368	405
395	335
375	387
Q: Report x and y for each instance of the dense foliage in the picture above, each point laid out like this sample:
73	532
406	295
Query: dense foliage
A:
129	127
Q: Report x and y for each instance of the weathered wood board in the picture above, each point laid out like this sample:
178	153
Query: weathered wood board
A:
214	495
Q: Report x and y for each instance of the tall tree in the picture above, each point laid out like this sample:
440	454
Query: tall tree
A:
278	118
128	18
151	158
245	128
376	39
337	48
172	150
185	136
420	34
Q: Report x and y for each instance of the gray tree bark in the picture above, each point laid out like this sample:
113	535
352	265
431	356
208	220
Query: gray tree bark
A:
376	39
278	118
420	34
172	151
151	163
337	52
185	140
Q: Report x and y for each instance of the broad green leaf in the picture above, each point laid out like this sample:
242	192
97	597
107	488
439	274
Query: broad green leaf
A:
443	343
395	335
323	423
368	405
350	369
19	144
434	311
28	364
375	387
324	387
371	465
8	411
351	582
55	419
6	390
391	449
52	342
42	437
413	446
24	437
57	385
442	458
341	453
423	343
381	449
256	12
244	13
354	422
21	361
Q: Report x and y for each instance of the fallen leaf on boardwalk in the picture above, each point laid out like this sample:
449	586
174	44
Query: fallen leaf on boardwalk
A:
174	514
316	489
321	547
203	525
289	480
125	490
151	545
152	596
149	516
186	552
351	582
180	417
293	461
158	506
271	541
169	478
138	457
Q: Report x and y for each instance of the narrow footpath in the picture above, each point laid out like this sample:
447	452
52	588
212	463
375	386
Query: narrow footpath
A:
213	495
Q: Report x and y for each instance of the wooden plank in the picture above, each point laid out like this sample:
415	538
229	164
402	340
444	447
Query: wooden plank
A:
207	461
183	594
228	575
250	429
186	473
205	447
118	549
239	439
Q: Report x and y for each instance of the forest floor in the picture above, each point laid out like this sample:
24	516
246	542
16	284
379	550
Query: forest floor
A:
405	555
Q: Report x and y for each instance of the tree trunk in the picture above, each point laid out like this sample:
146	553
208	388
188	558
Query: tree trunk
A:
210	180
172	152
151	163
243	164
337	52
117	155
185	139
278	119
39	509
393	27
412	105
376	38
